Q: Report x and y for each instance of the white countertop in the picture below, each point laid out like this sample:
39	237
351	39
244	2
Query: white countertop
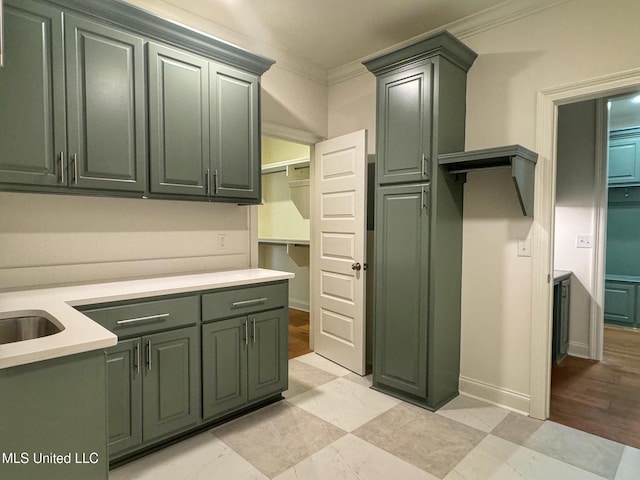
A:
81	334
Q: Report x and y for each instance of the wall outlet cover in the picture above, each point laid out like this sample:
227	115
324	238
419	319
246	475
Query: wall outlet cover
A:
584	241
524	247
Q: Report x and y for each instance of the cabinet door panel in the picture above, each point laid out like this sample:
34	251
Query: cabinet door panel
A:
105	94
224	366
619	303
124	396
268	353
404	131
235	141
624	161
32	117
170	386
178	121
401	291
565	293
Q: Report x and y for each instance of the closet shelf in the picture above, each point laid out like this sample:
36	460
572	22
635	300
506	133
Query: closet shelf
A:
284	166
521	161
284	241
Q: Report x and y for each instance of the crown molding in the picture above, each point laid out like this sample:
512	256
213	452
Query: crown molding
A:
291	134
493	17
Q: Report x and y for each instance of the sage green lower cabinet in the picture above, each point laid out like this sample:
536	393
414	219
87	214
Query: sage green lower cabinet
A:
561	315
268	354
124	390
224	366
58	407
621	303
32	97
244	360
402	253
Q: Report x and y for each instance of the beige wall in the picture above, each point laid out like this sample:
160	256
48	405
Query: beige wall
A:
47	239
575	41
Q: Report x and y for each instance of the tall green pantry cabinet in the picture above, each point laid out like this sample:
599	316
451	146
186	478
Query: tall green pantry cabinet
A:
421	96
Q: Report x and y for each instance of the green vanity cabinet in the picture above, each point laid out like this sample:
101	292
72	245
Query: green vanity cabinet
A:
624	158
244	358
178	121
421	103
621	302
153	372
404	116
105	107
32	113
402	267
561	316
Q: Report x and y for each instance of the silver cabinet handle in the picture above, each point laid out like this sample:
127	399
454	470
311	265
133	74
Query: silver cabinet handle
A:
254	330
244	303
137	359
423	195
215	181
149	355
1	34
425	163
74	162
62	165
207	182
246	332
142	319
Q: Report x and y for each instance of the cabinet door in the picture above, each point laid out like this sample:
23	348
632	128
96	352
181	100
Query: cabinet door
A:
565	302
178	121
619	303
124	396
404	125
106	107
268	353
171	390
235	139
224	366
401	317
32	111
624	161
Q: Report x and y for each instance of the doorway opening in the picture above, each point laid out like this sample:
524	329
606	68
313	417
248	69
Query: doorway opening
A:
284	229
595	378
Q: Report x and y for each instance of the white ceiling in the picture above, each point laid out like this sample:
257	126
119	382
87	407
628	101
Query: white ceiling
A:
331	33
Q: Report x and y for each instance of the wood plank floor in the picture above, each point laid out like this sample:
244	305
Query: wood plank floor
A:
298	333
602	398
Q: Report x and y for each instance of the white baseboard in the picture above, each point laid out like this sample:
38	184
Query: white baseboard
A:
501	397
581	350
299	304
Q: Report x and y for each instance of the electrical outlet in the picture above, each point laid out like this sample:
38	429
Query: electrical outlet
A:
524	247
584	241
222	241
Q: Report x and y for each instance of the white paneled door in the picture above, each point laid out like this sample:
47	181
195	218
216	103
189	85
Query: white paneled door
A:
339	239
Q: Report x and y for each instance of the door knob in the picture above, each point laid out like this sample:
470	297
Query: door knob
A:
356	266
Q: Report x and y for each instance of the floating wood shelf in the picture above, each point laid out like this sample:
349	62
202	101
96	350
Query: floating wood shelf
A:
285	241
521	161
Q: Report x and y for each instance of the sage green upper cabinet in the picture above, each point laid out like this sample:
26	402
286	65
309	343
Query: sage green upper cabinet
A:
106	107
178	121
624	160
32	113
404	144
235	133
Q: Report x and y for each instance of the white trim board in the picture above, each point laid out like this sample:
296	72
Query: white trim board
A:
548	101
579	349
501	397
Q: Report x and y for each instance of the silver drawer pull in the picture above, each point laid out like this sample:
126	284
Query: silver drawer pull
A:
142	319
249	302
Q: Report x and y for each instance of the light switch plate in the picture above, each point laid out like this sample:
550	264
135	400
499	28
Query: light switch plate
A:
222	241
524	247
584	241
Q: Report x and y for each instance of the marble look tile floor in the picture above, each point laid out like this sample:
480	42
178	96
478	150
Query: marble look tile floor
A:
332	426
